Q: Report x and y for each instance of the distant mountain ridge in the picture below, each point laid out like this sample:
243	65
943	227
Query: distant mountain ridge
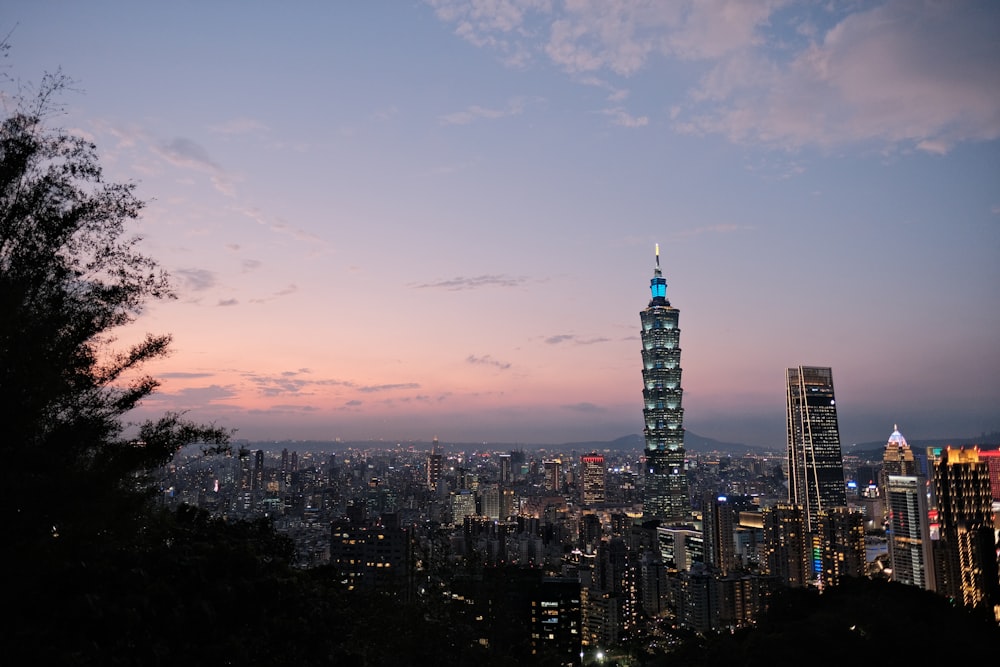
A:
874	449
633	442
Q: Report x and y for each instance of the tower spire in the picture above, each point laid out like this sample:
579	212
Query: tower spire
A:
658	284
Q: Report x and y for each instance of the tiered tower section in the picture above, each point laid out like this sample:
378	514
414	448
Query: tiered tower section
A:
665	495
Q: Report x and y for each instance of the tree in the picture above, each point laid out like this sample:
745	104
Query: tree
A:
70	278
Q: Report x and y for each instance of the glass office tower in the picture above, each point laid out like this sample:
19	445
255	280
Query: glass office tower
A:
815	461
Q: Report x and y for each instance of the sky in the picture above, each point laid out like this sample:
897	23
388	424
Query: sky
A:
402	220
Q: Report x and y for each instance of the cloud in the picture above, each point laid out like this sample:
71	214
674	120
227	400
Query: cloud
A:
290	289
186	154
784	74
474	282
279	226
624	119
576	340
180	375
197	280
368	389
199	396
583	407
228	302
922	74
487	360
513	108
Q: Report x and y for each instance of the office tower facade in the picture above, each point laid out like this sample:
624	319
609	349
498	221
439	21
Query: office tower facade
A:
553	474
435	464
594	474
665	493
506	470
719	525
815	461
897	458
968	563
910	552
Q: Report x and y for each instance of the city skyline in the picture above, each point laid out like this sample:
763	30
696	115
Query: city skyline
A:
429	220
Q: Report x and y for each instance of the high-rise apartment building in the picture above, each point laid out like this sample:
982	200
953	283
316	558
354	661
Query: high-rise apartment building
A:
435	464
665	495
718	524
785	544
594	474
967	547
815	461
910	553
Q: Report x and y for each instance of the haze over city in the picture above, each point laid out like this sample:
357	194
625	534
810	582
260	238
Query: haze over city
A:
397	221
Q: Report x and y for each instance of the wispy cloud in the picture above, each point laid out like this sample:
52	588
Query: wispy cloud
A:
370	389
196	280
290	289
576	340
279	226
474	282
583	407
513	108
624	119
487	360
187	154
780	73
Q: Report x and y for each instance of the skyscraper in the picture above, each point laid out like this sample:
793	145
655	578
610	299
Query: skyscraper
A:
815	461
435	463
905	491
910	549
665	496
967	548
594	476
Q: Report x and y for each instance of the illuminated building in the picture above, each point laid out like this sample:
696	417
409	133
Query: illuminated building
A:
968	560
838	543
718	523
553	474
815	461
992	459
897	459
594	479
910	553
372	556
785	545
435	464
665	495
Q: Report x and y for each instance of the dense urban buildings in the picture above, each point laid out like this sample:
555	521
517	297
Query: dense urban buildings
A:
666	485
967	553
559	555
815	461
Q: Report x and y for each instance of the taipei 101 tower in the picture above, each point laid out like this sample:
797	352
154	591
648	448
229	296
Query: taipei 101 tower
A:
665	496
